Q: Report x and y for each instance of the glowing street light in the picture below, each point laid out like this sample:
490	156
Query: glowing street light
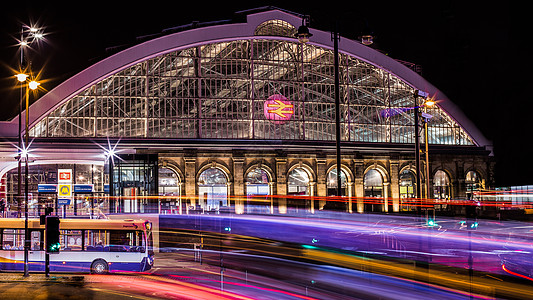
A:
33	85
21	77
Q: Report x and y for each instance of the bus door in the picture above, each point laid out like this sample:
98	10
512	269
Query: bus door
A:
36	253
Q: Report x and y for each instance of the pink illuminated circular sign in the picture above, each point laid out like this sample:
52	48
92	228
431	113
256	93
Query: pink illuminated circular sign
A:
278	109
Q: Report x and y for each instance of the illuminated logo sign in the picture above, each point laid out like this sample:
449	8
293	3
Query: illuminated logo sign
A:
65	175
64	190
278	109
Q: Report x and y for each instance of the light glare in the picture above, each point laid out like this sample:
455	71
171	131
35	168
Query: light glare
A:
21	77
33	84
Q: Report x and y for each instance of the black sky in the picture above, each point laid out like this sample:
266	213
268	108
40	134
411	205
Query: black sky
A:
477	54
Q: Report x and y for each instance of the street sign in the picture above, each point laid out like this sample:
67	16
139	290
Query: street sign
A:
47	188
64	201
83	188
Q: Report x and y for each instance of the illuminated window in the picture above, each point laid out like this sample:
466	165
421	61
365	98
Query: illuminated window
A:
332	183
257	182
212	189
441	185
298	182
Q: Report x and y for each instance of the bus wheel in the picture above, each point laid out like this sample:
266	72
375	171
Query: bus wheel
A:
99	266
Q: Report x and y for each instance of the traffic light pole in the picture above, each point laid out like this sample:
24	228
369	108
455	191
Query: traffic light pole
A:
52	243
47	265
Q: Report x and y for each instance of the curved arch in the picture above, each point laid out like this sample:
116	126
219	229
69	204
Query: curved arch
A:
308	169
226	33
446	171
345	169
412	169
381	169
218	165
480	173
172	166
263	166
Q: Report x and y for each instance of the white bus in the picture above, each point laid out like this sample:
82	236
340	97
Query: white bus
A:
95	246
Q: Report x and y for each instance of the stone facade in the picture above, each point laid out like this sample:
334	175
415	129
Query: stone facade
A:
278	164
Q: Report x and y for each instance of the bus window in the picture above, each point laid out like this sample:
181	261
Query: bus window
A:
126	241
96	240
70	240
13	239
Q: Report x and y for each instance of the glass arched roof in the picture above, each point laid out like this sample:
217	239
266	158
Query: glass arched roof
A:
262	87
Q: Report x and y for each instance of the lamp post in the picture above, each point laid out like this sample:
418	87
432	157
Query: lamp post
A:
32	85
32	35
335	37
428	102
303	36
21	77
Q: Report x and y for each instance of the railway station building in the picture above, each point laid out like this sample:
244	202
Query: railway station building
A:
213	113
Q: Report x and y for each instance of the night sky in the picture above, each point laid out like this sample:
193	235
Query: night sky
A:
478	55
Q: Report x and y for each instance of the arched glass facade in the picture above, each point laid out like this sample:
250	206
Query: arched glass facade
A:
218	91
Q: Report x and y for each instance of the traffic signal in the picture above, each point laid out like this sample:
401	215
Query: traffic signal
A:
52	235
431	222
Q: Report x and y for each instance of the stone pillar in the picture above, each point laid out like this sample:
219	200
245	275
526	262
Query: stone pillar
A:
238	184
460	179
312	187
358	181
190	179
228	189
386	188
350	195
281	175
271	192
394	186
321	181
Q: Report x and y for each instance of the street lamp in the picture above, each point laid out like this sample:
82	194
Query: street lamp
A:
303	33
26	39
335	37
428	102
303	36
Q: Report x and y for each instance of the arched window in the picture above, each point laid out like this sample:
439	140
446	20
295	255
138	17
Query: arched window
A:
169	183
212	189
473	183
441	185
298	183
407	184
275	28
169	187
332	182
373	184
257	182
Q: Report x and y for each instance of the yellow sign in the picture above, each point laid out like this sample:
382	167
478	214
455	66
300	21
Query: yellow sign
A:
280	109
64	190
